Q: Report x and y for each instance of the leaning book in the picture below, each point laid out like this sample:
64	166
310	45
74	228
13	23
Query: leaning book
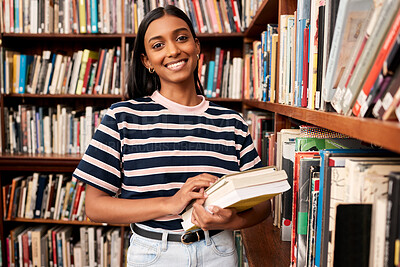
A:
242	191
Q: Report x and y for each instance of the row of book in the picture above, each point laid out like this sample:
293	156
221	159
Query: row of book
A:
77	16
47	245
85	72
221	76
341	56
108	17
343	207
260	59
44	196
59	130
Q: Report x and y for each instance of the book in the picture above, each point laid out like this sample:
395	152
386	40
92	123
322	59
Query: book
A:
241	191
351	16
378	64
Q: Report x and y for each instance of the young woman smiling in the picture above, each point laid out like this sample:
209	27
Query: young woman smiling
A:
159	150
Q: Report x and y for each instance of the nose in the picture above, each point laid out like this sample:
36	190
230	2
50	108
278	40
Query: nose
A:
173	50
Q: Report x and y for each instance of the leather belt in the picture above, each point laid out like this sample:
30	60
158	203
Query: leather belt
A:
187	238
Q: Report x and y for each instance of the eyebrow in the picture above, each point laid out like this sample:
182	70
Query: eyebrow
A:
174	31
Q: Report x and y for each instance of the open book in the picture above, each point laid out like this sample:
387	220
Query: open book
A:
242	191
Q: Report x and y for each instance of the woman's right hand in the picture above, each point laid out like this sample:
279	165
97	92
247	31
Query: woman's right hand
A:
193	188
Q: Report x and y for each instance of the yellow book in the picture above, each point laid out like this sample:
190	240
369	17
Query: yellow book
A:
82	16
241	191
85	57
218	16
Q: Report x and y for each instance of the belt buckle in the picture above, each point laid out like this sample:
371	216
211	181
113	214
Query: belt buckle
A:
189	233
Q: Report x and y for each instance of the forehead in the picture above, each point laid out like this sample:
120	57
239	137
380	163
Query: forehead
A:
164	26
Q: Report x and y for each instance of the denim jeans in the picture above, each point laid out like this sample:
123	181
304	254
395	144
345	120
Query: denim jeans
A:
218	250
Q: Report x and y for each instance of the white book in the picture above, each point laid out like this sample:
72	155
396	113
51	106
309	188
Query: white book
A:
75	72
341	48
88	125
47	79
63	131
105	86
56	74
61	76
67	26
79	211
47	134
34	16
31	197
6	16
29	130
92	246
65	86
77	250
58	196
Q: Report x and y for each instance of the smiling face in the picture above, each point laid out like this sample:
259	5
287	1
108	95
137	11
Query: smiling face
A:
171	51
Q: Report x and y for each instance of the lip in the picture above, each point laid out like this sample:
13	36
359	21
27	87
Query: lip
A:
176	61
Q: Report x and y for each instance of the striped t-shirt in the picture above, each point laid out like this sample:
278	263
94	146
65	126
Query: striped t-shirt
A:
149	147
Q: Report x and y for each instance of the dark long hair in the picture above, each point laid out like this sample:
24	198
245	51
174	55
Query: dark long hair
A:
140	81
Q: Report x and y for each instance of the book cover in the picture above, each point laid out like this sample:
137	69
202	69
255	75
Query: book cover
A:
242	191
387	46
351	17
372	47
352	235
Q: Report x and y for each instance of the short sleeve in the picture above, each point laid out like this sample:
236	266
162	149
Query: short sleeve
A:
249	157
100	166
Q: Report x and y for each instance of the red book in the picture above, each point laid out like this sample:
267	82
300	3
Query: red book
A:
87	72
296	175
236	17
25	248
378	64
74	17
305	69
79	189
219	75
99	69
199	17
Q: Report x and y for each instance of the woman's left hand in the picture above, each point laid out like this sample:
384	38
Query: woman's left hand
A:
215	218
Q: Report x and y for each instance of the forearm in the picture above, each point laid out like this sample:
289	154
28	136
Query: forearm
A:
251	217
101	207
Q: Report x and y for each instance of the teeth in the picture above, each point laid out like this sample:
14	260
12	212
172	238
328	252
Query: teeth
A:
175	65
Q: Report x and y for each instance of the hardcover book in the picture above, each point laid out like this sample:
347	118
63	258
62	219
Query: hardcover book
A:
241	191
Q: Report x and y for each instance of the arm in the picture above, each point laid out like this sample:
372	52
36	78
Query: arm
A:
229	218
101	207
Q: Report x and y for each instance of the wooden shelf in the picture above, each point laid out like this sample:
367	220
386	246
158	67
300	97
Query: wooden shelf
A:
377	132
264	247
48	221
39	162
267	13
91	96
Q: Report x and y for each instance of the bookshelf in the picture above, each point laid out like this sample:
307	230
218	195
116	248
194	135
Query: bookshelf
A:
262	242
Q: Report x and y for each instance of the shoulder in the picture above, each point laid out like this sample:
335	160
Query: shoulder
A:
139	106
226	113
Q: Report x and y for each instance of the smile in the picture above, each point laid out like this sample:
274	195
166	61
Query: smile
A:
175	65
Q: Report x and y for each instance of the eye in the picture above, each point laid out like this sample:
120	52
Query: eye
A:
182	38
157	45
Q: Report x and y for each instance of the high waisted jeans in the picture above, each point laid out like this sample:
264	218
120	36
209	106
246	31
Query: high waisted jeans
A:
218	250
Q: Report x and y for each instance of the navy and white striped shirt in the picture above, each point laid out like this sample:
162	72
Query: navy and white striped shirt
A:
149	147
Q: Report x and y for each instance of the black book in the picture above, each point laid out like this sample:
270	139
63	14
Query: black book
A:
352	235
392	219
320	62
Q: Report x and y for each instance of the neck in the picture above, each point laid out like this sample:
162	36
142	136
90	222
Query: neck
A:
181	94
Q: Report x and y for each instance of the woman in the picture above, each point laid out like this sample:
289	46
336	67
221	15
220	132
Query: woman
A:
160	150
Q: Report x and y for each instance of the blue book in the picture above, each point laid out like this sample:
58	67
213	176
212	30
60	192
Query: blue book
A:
16	16
303	14
53	61
42	183
93	16
210	78
41	129
322	235
22	74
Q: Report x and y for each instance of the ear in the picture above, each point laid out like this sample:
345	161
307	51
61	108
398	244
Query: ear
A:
145	61
197	42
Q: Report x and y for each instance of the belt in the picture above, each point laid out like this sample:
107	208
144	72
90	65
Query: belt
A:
187	238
